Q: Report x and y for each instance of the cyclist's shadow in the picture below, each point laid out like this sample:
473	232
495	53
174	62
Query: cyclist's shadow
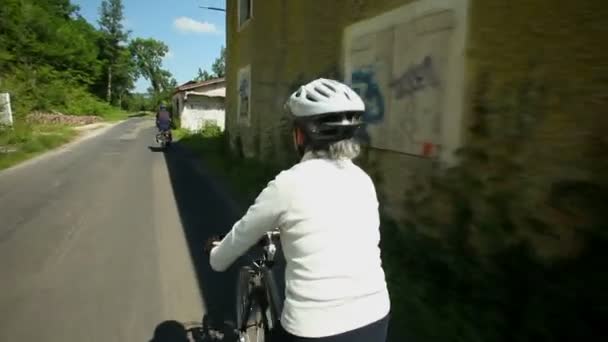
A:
170	331
203	214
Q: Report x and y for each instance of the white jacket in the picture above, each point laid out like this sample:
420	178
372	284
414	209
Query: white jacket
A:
327	213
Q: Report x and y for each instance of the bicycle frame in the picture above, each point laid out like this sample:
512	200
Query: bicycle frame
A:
268	283
265	288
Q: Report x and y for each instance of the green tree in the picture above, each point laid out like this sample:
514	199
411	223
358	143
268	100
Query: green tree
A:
219	65
51	58
148	56
125	75
114	35
47	53
203	75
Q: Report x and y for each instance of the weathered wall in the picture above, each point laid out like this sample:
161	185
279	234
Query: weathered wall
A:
538	66
288	43
532	170
407	64
200	110
537	74
238	55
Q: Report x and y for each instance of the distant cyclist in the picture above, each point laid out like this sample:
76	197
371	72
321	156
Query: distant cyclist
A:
326	208
163	119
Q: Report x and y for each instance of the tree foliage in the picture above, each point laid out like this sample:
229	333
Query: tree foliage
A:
203	75
148	56
219	65
218	68
51	58
114	36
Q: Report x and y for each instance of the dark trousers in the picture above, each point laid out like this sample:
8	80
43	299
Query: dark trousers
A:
375	332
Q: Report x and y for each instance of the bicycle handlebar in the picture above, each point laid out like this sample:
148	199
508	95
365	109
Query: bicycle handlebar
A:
269	237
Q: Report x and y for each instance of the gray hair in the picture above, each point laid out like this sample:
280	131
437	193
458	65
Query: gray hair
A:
340	150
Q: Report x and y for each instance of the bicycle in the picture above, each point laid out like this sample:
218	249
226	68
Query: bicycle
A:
258	305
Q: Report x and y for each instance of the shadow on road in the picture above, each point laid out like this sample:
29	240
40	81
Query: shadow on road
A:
203	214
170	331
156	149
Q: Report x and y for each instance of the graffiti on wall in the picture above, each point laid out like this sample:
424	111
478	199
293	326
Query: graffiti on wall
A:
416	91
364	83
244	95
400	70
416	78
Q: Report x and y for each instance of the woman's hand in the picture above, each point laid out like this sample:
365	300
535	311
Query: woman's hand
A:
211	242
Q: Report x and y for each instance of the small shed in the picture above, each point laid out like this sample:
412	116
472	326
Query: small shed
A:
197	103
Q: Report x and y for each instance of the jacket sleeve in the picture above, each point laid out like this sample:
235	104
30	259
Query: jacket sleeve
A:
264	215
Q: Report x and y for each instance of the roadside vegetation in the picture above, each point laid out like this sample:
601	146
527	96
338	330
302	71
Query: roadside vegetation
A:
26	140
54	63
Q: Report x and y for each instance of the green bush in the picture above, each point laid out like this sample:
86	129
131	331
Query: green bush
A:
211	130
81	102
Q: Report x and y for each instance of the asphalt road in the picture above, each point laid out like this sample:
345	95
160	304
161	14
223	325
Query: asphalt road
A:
102	241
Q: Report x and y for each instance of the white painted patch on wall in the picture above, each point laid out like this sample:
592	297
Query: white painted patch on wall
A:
6	113
200	110
408	65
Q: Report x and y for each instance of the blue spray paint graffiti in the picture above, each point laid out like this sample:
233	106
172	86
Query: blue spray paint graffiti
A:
364	83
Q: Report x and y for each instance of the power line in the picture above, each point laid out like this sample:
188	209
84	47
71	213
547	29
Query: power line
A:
213	8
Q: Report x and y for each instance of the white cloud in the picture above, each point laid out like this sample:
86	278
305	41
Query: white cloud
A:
185	25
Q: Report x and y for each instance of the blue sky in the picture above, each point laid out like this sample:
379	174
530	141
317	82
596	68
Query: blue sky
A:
194	35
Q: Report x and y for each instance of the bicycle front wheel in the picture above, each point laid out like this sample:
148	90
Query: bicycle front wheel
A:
256	327
250	304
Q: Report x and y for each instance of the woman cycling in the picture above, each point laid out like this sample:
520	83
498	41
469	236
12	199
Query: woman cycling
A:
327	211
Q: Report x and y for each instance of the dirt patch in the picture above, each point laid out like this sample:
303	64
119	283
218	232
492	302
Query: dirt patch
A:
59	118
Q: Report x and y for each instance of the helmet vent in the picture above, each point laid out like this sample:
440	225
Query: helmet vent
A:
347	96
310	98
329	86
322	92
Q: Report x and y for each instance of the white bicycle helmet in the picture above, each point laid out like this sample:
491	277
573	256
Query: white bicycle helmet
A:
326	110
323	96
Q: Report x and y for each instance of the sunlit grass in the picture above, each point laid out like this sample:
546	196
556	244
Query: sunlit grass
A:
25	141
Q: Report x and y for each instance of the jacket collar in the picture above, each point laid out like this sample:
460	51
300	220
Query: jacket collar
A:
308	155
